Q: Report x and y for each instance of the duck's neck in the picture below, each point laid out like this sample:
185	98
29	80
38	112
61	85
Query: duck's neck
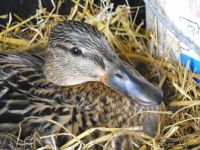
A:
109	106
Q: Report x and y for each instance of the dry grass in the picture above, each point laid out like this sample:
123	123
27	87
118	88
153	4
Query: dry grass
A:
181	129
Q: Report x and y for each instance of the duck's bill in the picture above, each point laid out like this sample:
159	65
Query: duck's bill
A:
126	80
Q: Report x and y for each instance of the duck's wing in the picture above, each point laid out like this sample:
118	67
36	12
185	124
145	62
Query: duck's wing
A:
17	70
28	102
24	92
17	73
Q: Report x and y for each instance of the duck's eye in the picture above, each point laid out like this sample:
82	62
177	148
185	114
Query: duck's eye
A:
75	51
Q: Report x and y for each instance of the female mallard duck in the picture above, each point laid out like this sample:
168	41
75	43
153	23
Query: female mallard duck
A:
57	87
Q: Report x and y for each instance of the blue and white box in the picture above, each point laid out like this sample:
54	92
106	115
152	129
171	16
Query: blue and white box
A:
176	24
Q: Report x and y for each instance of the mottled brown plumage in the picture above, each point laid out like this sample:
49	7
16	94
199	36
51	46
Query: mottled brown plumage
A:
71	90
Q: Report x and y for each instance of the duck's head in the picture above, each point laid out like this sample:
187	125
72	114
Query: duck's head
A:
78	53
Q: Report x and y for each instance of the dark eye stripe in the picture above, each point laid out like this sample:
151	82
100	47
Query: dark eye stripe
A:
61	47
74	50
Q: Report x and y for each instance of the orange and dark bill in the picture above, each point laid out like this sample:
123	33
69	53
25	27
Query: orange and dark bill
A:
126	80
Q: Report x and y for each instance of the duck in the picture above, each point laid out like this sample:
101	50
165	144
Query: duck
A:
80	83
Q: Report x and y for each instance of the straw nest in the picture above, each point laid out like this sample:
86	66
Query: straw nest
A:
179	129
